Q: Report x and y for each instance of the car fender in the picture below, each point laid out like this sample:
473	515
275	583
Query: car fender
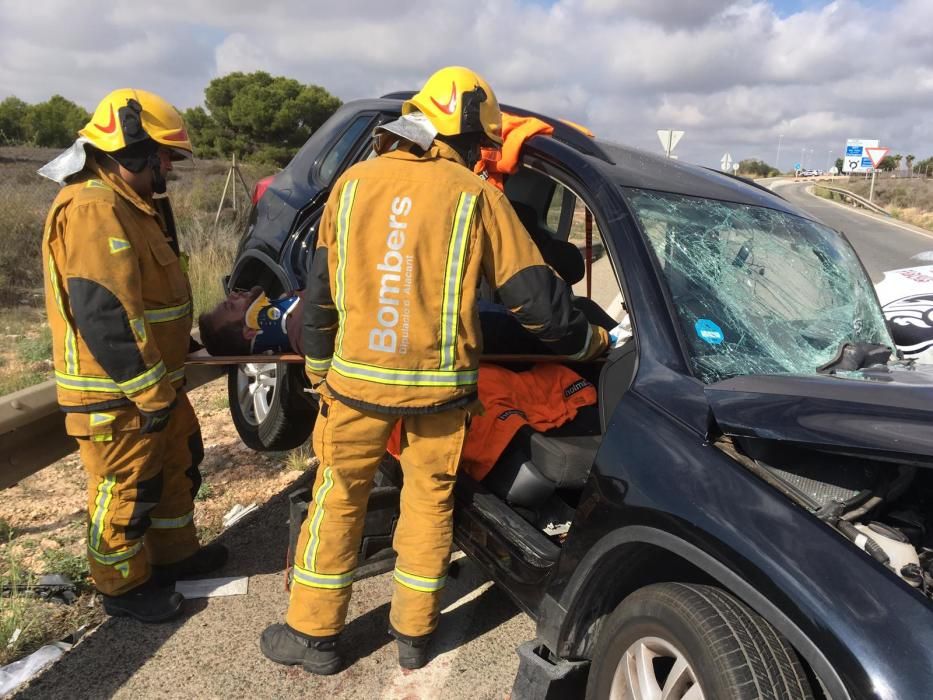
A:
659	484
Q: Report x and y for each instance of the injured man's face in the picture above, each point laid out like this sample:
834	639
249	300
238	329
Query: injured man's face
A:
224	330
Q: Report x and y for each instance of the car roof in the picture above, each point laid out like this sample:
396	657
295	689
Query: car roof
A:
633	167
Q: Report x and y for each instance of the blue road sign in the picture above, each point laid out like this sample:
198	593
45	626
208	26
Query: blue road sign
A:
853	150
796	166
866	162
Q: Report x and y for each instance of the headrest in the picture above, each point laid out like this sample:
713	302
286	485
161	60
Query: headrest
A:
563	256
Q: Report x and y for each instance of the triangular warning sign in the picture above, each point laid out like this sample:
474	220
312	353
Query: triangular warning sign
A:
876	155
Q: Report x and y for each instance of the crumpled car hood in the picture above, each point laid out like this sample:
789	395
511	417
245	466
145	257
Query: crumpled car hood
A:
885	413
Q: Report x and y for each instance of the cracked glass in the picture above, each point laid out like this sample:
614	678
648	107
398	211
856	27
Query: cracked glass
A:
757	291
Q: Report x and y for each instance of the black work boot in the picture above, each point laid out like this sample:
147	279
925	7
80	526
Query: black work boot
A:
412	651
148	602
282	644
205	560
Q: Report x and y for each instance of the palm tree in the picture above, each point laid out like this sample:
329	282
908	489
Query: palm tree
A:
910	163
897	161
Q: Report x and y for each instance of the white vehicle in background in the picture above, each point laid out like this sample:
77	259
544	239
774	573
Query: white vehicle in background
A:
906	297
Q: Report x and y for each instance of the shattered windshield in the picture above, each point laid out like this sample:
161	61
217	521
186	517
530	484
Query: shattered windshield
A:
757	291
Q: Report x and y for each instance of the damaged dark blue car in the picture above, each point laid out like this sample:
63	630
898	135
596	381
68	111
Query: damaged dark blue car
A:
748	511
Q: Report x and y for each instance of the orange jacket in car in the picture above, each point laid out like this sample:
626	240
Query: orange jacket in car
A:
544	397
390	306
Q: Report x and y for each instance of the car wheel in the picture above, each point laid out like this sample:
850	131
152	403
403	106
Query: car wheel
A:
268	407
691	642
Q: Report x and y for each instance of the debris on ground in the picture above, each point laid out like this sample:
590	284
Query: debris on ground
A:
15	674
237	513
213	587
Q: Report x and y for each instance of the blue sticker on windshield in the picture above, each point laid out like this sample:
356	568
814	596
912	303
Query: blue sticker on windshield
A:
709	332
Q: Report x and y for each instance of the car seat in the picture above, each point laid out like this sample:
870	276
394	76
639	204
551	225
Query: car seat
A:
535	464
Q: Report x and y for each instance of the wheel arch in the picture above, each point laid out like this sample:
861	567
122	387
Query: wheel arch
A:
256	268
570	626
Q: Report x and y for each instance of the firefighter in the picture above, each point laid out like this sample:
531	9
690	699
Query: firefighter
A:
391	334
119	307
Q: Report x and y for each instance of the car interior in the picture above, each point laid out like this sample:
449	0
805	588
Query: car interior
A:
540	474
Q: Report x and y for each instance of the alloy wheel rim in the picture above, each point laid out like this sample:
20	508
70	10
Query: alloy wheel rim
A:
256	390
654	669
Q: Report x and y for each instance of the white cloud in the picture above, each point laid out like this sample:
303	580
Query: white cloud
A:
734	74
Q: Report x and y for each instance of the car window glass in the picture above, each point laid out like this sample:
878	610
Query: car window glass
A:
757	291
554	208
567	217
341	149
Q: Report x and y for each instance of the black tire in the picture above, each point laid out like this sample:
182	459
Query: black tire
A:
733	653
291	415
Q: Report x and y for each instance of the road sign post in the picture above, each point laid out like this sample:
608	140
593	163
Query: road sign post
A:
876	154
669	139
726	163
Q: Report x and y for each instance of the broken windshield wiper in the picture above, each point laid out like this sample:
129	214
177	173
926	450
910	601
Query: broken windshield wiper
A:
855	356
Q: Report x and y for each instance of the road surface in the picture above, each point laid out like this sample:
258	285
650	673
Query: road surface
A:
881	242
214	651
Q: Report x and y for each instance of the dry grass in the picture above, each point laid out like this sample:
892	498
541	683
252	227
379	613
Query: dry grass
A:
25	348
908	199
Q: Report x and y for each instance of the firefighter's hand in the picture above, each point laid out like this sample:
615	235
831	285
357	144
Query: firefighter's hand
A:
155	421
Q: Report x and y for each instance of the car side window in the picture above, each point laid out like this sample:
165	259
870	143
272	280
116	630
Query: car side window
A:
338	153
566	217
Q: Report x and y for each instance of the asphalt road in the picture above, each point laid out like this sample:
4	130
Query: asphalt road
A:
881	242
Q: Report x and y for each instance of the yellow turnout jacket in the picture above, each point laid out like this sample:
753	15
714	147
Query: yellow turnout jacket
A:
391	302
118	302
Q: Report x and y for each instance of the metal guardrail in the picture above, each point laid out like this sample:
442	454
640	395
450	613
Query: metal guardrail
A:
32	429
856	199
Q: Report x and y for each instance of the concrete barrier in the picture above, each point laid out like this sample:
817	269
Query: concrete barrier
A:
32	429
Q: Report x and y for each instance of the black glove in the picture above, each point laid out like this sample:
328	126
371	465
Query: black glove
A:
155	421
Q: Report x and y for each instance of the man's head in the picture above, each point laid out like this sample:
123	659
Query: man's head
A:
223	328
138	134
462	107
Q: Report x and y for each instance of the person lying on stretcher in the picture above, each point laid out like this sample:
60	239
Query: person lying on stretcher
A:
250	323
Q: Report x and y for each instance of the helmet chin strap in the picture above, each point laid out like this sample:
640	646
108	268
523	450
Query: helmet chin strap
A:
159	185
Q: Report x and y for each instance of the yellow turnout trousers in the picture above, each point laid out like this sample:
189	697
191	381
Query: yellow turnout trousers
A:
141	492
350	444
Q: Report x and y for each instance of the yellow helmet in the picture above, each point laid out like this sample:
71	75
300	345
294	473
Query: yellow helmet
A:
127	116
457	100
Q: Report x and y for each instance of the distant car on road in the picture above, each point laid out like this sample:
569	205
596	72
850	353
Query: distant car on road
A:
748	509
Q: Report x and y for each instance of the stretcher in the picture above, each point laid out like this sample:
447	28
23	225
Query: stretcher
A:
202	357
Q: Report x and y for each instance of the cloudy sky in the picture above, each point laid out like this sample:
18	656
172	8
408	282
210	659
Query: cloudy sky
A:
741	76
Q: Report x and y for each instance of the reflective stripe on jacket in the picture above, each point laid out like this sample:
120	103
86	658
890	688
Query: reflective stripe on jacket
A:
390	307
118	301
